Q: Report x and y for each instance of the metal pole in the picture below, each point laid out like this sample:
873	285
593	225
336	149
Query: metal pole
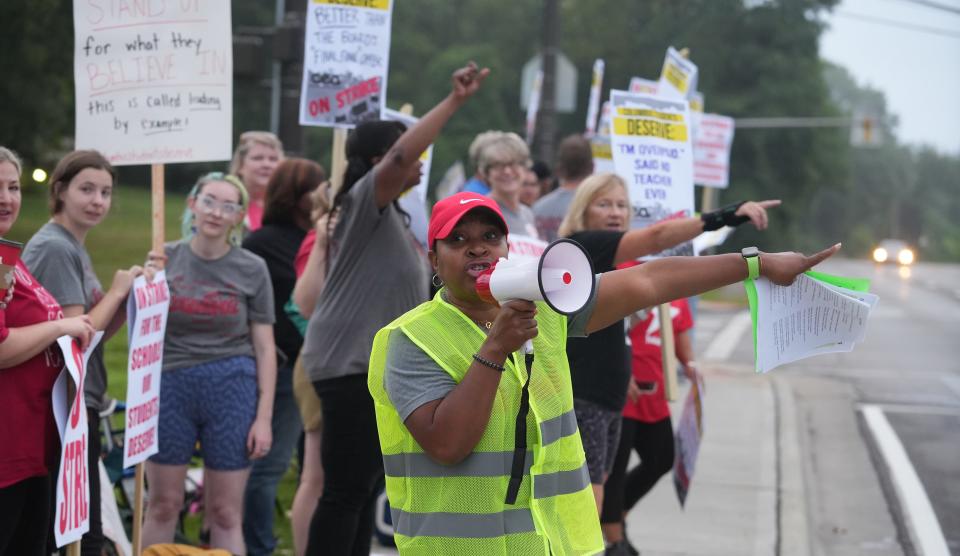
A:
546	130
277	68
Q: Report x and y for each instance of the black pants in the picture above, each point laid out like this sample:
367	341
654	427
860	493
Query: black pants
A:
25	517
654	444
342	524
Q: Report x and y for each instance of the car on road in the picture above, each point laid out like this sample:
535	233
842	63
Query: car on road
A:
894	251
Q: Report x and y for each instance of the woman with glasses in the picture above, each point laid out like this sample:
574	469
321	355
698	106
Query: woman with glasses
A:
219	366
504	162
257	156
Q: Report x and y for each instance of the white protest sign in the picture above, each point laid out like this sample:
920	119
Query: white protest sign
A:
643	86
524	246
711	151
678	77
147	323
72	510
600	143
414	200
652	152
154	80
345	61
687	440
533	106
593	105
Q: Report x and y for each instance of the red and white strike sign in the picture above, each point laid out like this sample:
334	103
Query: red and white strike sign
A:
72	511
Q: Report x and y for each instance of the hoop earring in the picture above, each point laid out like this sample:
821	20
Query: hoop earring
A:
436	281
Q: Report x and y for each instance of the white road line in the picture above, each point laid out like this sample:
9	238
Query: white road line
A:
919	513
727	339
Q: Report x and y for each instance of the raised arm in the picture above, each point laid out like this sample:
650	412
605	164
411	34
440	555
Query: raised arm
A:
393	169
622	292
668	233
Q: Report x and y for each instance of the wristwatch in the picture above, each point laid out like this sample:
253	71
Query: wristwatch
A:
752	256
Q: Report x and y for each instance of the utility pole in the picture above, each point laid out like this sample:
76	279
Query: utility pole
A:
546	131
288	52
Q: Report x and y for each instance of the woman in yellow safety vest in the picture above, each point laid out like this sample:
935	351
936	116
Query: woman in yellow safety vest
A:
481	451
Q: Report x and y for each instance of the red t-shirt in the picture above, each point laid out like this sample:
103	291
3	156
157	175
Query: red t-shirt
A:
28	432
647	362
254	219
303	255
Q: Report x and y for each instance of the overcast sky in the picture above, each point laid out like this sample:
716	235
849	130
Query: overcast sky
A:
918	70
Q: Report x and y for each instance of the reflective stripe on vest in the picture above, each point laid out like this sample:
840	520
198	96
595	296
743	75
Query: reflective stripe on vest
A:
477	464
561	482
476	526
558	427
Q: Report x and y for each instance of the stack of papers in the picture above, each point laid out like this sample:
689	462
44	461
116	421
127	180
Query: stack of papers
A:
816	314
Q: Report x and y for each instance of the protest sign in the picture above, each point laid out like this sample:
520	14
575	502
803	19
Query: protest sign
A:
600	143
678	77
643	86
651	146
593	105
72	509
533	106
154	80
687	440
711	151
817	314
414	200
524	246
345	61
147	322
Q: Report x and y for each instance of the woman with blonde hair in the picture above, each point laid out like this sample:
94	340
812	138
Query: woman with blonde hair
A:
257	156
599	219
504	162
219	365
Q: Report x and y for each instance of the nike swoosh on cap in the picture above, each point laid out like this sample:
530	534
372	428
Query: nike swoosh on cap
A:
465	201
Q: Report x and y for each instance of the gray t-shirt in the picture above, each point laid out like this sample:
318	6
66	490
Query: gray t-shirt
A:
412	378
549	211
379	272
520	221
63	266
212	303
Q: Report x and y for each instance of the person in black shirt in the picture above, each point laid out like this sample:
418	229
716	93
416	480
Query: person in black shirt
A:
599	219
286	220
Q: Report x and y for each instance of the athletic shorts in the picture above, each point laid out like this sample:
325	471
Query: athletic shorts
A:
600	434
214	403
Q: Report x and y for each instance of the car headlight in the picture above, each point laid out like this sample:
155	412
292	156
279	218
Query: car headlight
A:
905	256
880	255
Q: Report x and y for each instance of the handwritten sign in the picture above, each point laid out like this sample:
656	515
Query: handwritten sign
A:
593	105
154	80
687	440
711	151
678	77
147	322
72	510
414	200
345	61
652	152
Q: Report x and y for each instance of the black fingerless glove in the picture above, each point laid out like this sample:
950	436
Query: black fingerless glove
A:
726	216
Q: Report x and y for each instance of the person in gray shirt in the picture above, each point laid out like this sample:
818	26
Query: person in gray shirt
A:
377	271
81	189
574	164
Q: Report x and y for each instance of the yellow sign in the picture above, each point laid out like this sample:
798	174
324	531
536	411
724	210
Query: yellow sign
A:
636	127
373	4
642	112
601	150
676	77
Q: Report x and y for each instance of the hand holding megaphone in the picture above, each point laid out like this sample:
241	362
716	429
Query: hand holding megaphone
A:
514	327
562	277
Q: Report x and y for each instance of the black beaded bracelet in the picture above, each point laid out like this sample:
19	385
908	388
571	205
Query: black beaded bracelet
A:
488	363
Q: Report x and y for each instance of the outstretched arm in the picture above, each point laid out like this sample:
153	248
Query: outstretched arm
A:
622	292
668	233
396	165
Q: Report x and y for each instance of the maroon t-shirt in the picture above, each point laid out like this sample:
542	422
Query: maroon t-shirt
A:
28	431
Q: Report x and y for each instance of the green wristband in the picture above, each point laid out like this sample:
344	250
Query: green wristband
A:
753	267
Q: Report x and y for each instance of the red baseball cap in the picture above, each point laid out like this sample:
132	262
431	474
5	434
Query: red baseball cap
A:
447	212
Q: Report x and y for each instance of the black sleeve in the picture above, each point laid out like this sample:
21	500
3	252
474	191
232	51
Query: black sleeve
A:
601	245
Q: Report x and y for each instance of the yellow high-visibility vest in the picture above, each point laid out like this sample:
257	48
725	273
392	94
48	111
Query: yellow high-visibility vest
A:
460	509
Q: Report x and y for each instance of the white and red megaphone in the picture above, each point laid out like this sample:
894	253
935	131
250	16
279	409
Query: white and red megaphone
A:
562	277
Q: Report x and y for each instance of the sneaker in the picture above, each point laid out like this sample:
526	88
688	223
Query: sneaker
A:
632	550
618	548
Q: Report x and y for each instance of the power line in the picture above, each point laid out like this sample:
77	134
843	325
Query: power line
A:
934	5
897	24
